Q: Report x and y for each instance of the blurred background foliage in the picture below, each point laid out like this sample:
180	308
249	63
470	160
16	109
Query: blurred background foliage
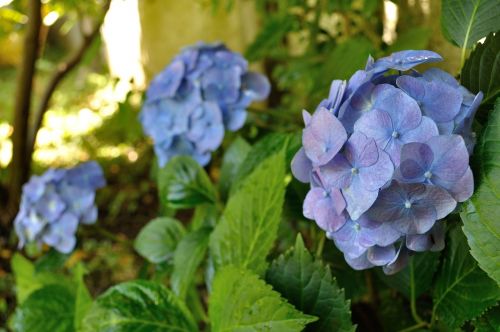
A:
300	44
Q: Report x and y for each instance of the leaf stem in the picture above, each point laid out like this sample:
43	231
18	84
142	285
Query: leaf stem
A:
413	299
321	245
462	57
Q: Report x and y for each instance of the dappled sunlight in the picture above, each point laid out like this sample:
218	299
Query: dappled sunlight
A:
5	144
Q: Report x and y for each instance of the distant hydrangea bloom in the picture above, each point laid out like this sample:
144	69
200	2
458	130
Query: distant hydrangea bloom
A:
53	204
387	157
204	91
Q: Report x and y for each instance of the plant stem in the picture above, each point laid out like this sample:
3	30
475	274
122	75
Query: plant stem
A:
413	299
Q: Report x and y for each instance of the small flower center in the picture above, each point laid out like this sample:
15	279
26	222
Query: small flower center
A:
357	227
395	134
407	204
325	193
354	171
428	174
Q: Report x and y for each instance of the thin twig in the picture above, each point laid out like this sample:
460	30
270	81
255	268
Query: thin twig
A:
63	69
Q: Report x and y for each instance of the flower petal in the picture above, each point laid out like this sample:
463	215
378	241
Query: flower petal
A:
451	158
301	166
381	255
375	176
324	137
358	199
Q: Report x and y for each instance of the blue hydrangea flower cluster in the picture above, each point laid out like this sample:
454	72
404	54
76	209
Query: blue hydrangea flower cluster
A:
387	157
54	203
204	91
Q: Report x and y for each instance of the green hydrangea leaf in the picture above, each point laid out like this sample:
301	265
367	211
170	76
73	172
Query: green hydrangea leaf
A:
28	279
158	239
187	257
240	301
51	308
233	158
139	306
463	291
481	71
464	22
310	287
481	222
183	183
263	149
249	224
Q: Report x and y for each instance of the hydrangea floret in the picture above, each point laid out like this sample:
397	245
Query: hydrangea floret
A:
54	203
204	91
387	158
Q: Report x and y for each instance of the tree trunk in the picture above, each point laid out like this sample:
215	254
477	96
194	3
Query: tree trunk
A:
19	166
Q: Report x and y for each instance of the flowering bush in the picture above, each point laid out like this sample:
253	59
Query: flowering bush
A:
203	92
387	156
54	203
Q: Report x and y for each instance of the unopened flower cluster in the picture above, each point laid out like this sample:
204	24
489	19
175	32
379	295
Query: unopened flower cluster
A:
53	204
189	105
387	157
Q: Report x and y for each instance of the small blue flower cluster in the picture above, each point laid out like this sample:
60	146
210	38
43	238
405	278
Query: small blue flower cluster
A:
387	157
53	204
205	90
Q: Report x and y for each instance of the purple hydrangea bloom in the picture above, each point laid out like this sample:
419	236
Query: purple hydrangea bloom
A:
53	204
443	161
387	158
203	92
360	171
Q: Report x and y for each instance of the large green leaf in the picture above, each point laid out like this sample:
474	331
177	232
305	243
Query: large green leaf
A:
187	257
481	71
310	287
240	301
28	279
464	22
183	183
233	157
263	149
139	306
424	266
51	308
249	225
463	291
481	222
83	299
157	240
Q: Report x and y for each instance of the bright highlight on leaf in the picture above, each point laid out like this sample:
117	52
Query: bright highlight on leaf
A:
139	306
241	301
249	225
